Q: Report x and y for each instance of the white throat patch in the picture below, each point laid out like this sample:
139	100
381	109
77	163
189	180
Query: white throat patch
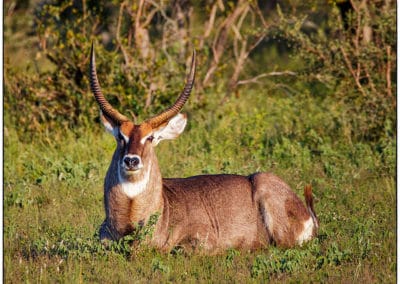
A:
133	189
307	232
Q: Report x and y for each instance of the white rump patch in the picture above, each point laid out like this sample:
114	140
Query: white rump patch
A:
307	232
268	221
133	189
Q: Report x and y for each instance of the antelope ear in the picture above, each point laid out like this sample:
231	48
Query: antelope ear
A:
110	126
170	131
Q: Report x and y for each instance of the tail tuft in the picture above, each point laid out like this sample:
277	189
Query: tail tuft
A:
310	203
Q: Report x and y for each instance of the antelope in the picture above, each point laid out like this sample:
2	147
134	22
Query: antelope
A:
209	212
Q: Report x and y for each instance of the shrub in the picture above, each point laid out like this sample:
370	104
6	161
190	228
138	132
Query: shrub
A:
353	55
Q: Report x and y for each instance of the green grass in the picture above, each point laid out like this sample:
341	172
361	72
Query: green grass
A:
53	198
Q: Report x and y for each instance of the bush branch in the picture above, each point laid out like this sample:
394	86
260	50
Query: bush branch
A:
353	73
270	74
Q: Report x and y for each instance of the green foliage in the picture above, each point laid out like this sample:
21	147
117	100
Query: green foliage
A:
147	230
65	243
349	57
61	98
158	265
353	55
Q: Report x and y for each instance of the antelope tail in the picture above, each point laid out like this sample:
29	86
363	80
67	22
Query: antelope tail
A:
310	204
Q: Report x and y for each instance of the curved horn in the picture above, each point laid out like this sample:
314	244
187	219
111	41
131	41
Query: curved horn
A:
177	106
105	106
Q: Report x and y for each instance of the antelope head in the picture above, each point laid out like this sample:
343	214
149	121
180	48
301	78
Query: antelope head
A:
134	154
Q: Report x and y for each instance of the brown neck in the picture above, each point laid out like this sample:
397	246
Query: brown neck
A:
124	207
150	201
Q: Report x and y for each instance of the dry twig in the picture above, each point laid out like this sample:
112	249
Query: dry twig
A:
353	73
269	74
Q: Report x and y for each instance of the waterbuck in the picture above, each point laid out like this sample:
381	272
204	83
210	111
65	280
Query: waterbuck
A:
211	212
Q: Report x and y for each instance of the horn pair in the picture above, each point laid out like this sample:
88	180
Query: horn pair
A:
155	121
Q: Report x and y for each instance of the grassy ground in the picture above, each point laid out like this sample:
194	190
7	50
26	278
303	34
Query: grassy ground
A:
53	198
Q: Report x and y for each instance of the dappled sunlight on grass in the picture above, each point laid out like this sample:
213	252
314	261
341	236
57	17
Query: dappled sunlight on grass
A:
56	196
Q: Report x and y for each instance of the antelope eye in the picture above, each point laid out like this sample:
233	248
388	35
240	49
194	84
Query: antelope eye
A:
150	138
